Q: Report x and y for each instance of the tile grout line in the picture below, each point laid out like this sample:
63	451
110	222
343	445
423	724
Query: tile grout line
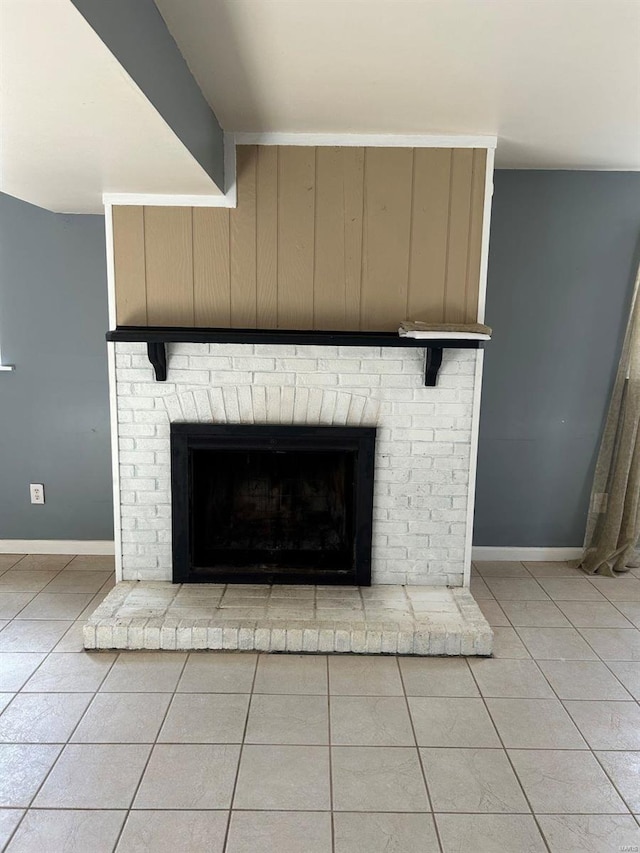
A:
331	802
513	769
152	747
237	773
419	755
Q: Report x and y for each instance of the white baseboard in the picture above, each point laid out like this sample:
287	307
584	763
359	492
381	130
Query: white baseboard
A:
550	555
56	546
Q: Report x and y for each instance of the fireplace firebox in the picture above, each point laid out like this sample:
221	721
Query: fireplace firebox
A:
272	504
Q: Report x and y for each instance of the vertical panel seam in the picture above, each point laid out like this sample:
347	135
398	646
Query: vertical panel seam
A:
315	226
255	231
144	260
469	229
277	237
193	274
411	217
446	262
362	232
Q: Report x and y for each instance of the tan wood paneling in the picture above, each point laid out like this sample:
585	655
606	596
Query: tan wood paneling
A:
296	206
243	242
211	269
329	291
387	221
327	238
130	276
458	243
267	237
429	227
169	265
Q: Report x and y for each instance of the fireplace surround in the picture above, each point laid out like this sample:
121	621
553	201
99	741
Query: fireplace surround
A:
272	504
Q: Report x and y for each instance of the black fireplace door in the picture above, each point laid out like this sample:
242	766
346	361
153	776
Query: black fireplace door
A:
272	504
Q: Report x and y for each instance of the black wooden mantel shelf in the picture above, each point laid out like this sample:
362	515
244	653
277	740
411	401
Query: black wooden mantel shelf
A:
156	337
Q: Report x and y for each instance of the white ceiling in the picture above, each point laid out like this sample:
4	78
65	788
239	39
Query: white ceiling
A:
558	81
74	124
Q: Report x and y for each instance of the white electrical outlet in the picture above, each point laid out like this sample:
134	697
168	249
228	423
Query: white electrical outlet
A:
37	493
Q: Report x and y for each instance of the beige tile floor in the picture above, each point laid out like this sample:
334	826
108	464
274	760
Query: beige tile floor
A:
537	749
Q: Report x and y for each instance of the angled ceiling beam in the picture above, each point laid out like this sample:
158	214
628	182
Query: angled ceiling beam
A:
136	34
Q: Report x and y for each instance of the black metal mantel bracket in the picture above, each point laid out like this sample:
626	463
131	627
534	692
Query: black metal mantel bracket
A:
156	338
156	350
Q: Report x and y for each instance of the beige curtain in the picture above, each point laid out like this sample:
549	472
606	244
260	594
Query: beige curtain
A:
613	526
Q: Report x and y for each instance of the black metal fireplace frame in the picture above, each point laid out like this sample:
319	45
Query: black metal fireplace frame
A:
188	437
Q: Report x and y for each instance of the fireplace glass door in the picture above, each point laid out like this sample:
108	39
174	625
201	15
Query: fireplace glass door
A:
267	504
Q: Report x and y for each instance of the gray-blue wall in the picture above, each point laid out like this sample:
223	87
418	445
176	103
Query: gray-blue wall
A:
54	408
562	259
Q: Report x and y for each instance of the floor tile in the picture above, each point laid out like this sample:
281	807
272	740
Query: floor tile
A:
90	563
279	832
31	636
188	776
556	644
535	614
19	580
42	717
9	560
452	722
145	672
123	718
437	677
94	777
593	614
570	589
516	589
534	724
507	644
205	718
383	779
68	673
218	672
489	833
472	780
173	832
543	569
73	640
283	778
78	581
56	605
519	679
11	603
370	721
44	562
22	769
493	612
9	819
582	679
607	725
384	832
565	781
623	768
16	667
479	590
590	833
501	569
609	643
629	674
364	675
5	698
291	674
288	719
618	589
630	610
68	831
96	600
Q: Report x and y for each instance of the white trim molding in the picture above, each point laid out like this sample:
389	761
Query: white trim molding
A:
531	555
370	140
85	547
